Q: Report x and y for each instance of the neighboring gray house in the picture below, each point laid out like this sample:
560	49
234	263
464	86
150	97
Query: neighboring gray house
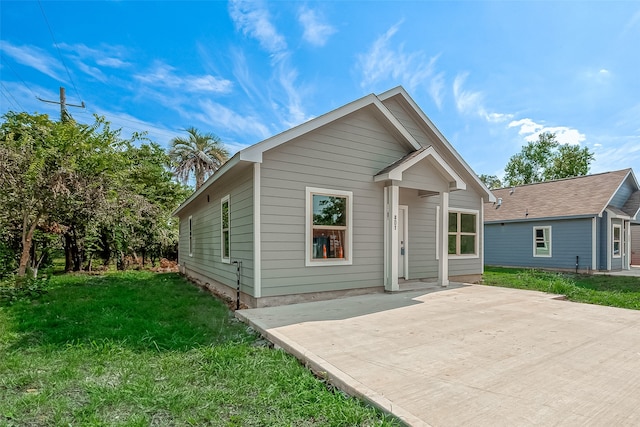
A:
357	200
581	223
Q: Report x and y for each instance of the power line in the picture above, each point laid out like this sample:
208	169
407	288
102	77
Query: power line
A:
10	94
55	43
18	76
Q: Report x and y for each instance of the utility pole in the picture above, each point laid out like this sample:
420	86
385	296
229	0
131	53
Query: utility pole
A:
64	115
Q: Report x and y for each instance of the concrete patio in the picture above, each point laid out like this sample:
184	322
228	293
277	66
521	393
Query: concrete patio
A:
470	355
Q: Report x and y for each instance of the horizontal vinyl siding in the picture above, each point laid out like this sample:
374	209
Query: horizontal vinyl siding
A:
206	223
344	155
511	244
421	247
467	199
623	193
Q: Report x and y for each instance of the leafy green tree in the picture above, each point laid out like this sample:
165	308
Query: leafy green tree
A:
491	181
32	176
199	154
547	159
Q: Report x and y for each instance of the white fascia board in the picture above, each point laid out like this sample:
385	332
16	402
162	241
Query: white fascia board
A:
604	208
254	153
612	214
450	174
403	93
213	178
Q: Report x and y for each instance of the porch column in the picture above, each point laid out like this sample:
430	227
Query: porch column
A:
627	244
443	256
392	200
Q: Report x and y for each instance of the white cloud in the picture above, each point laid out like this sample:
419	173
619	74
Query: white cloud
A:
615	153
33	57
226	118
315	32
531	130
467	102
106	56
472	102
164	75
253	19
386	62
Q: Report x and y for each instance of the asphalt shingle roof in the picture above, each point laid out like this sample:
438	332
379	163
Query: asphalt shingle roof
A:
585	195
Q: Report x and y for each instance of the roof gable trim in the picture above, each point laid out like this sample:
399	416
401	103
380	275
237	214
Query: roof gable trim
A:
254	152
395	173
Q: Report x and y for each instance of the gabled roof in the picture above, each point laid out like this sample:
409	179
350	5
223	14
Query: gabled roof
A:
581	196
395	170
253	154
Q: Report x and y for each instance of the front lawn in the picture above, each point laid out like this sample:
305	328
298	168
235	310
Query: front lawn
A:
615	291
145	349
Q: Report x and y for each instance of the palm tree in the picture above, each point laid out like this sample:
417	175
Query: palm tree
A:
200	154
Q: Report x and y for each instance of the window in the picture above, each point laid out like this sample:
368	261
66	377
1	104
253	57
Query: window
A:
224	227
328	224
190	236
617	233
463	234
542	241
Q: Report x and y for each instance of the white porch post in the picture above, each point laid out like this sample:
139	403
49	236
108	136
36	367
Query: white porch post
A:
443	261
393	198
627	245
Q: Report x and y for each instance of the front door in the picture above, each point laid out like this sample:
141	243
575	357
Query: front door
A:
402	242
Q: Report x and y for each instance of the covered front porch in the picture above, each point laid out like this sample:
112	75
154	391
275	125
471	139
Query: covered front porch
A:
416	222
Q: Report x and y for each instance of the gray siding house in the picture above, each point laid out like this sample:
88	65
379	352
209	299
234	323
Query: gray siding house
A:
357	200
580	224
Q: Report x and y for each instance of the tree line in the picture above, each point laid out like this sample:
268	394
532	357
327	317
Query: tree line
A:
86	192
542	160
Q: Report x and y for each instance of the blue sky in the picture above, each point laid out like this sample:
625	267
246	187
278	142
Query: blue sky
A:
490	75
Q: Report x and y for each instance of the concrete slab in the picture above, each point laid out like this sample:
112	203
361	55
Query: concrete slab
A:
470	355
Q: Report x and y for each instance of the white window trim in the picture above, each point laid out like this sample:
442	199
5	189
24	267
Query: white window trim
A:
226	260
544	227
613	241
191	235
309	261
477	252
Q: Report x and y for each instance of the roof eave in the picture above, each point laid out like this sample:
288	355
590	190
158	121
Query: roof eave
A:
229	164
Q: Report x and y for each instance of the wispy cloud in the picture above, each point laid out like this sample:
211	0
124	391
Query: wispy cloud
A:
616	152
315	31
253	19
105	56
471	102
227	119
385	61
33	57
530	130
164	75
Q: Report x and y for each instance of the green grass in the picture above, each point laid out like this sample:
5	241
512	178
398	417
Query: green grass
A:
144	349
615	291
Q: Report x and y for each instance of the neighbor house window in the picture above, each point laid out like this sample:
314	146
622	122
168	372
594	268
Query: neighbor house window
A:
463	233
190	235
224	227
541	241
617	233
329	227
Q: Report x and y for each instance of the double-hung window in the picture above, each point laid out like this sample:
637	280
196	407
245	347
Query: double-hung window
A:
542	241
617	241
225	237
463	233
328	227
